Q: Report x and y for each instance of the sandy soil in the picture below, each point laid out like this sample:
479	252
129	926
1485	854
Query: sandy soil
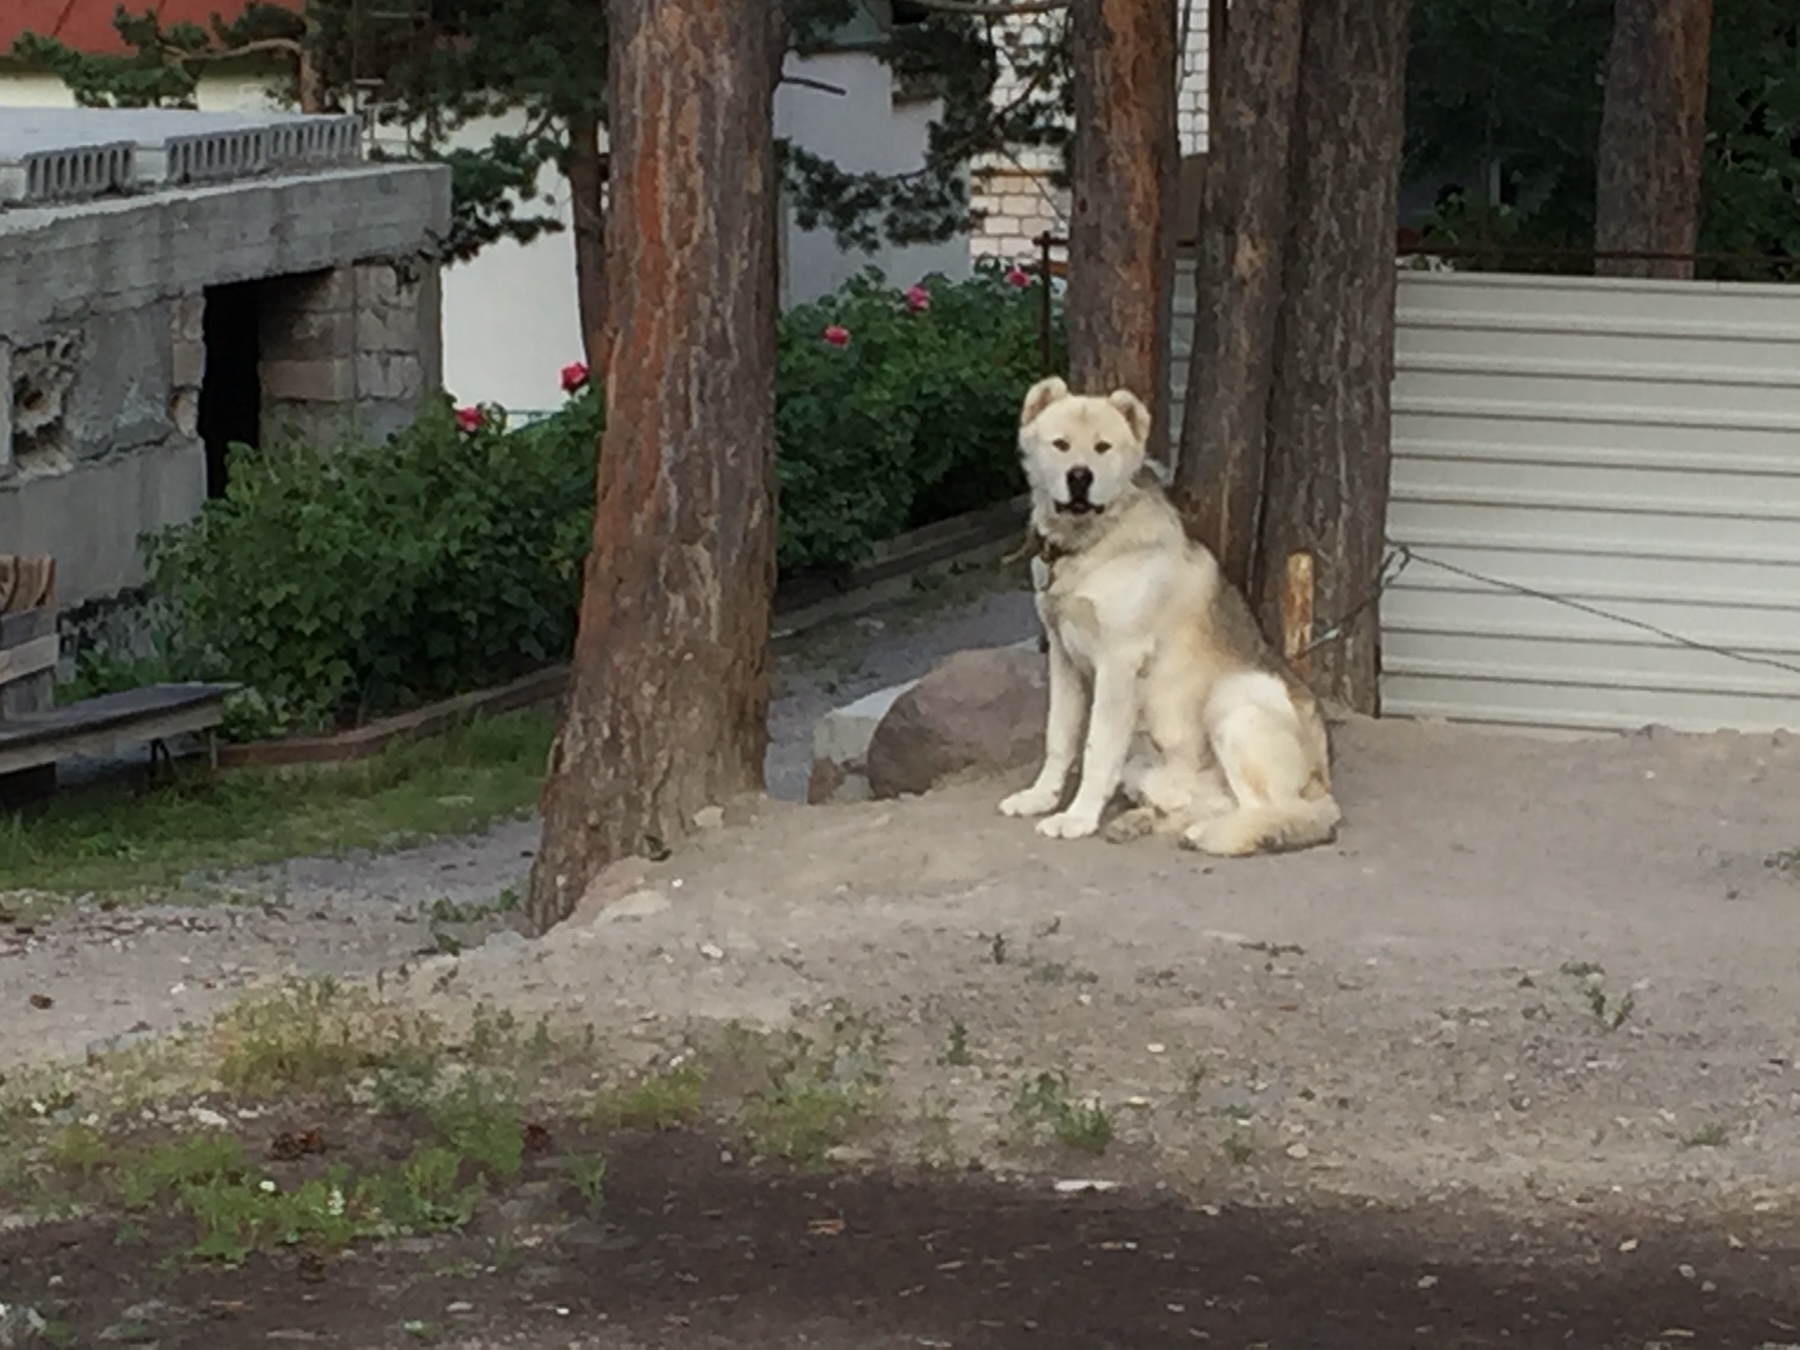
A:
1545	986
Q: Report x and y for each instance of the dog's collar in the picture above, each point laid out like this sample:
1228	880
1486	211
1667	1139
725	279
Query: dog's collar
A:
1040	546
1048	551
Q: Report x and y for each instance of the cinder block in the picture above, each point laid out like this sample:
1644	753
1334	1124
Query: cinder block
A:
387	376
332	381
188	367
387	328
310	335
377	283
188	317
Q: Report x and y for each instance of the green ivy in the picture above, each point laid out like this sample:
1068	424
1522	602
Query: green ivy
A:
341	582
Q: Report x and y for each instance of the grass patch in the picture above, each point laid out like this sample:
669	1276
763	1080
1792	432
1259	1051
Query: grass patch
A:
1046	1104
119	840
371	1121
1713	1135
818	1091
665	1100
316	1036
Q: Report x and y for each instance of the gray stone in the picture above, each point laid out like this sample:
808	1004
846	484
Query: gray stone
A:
20	1326
120	397
977	711
60	514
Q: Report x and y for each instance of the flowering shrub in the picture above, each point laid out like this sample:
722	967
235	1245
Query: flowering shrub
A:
349	581
899	408
344	582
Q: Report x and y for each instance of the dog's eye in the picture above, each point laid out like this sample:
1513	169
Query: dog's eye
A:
1060	444
1101	447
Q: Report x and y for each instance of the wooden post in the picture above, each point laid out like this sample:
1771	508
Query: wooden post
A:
1297	613
28	652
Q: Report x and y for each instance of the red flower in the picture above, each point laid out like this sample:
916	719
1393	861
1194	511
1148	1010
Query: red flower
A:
574	376
470	419
1017	276
837	336
918	298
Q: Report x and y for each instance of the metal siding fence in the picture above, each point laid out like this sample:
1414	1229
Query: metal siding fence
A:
1630	446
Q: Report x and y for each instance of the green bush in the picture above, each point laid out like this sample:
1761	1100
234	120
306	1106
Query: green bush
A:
351	581
342	582
913	418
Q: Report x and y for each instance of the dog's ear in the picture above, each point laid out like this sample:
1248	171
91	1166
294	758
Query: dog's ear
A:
1136	415
1040	396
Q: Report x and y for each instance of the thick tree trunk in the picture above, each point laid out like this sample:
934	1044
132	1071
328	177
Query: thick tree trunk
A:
1241	240
1652	134
668	706
587	194
1327	484
1122	226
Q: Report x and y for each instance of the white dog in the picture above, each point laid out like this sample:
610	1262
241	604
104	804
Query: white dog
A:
1186	706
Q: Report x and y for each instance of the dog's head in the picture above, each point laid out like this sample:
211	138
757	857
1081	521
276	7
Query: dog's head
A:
1081	452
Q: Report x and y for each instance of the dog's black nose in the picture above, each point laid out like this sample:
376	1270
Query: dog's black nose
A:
1081	479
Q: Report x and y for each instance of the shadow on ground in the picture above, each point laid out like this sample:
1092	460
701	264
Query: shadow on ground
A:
691	1249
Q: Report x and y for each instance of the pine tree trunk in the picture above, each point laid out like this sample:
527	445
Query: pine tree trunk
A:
1652	134
1122	226
1326	488
587	194
668	705
1241	239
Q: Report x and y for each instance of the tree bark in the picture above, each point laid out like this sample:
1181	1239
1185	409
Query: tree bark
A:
1652	135
1122	226
1327	484
587	193
668	705
1241	239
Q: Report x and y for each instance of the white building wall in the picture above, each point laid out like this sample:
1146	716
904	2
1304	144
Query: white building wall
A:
1015	191
862	130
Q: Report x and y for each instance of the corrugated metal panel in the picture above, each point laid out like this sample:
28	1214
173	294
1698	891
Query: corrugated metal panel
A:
1632	446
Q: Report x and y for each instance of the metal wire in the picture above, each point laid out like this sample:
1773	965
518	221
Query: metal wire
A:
1401	556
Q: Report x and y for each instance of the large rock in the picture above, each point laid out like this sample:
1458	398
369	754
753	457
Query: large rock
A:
977	711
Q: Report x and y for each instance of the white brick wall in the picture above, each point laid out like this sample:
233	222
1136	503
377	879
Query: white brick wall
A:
1015	190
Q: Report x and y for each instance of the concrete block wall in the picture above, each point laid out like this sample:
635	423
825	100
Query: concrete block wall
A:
103	346
349	352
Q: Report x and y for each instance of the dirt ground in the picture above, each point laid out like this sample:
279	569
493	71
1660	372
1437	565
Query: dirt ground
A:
1512	1063
692	1251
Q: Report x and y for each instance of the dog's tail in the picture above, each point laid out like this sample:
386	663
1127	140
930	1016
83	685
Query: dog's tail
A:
1280	827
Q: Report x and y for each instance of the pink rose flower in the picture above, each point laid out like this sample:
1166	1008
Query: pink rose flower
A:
1017	276
574	376
837	336
918	298
470	419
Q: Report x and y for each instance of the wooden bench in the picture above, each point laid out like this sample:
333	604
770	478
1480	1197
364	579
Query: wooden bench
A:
35	733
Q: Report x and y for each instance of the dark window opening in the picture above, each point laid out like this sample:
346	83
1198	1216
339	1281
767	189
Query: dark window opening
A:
231	390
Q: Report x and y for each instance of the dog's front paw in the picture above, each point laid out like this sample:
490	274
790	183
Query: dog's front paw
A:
1068	825
1033	801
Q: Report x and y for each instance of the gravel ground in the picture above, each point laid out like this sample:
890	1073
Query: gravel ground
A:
1535	1009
